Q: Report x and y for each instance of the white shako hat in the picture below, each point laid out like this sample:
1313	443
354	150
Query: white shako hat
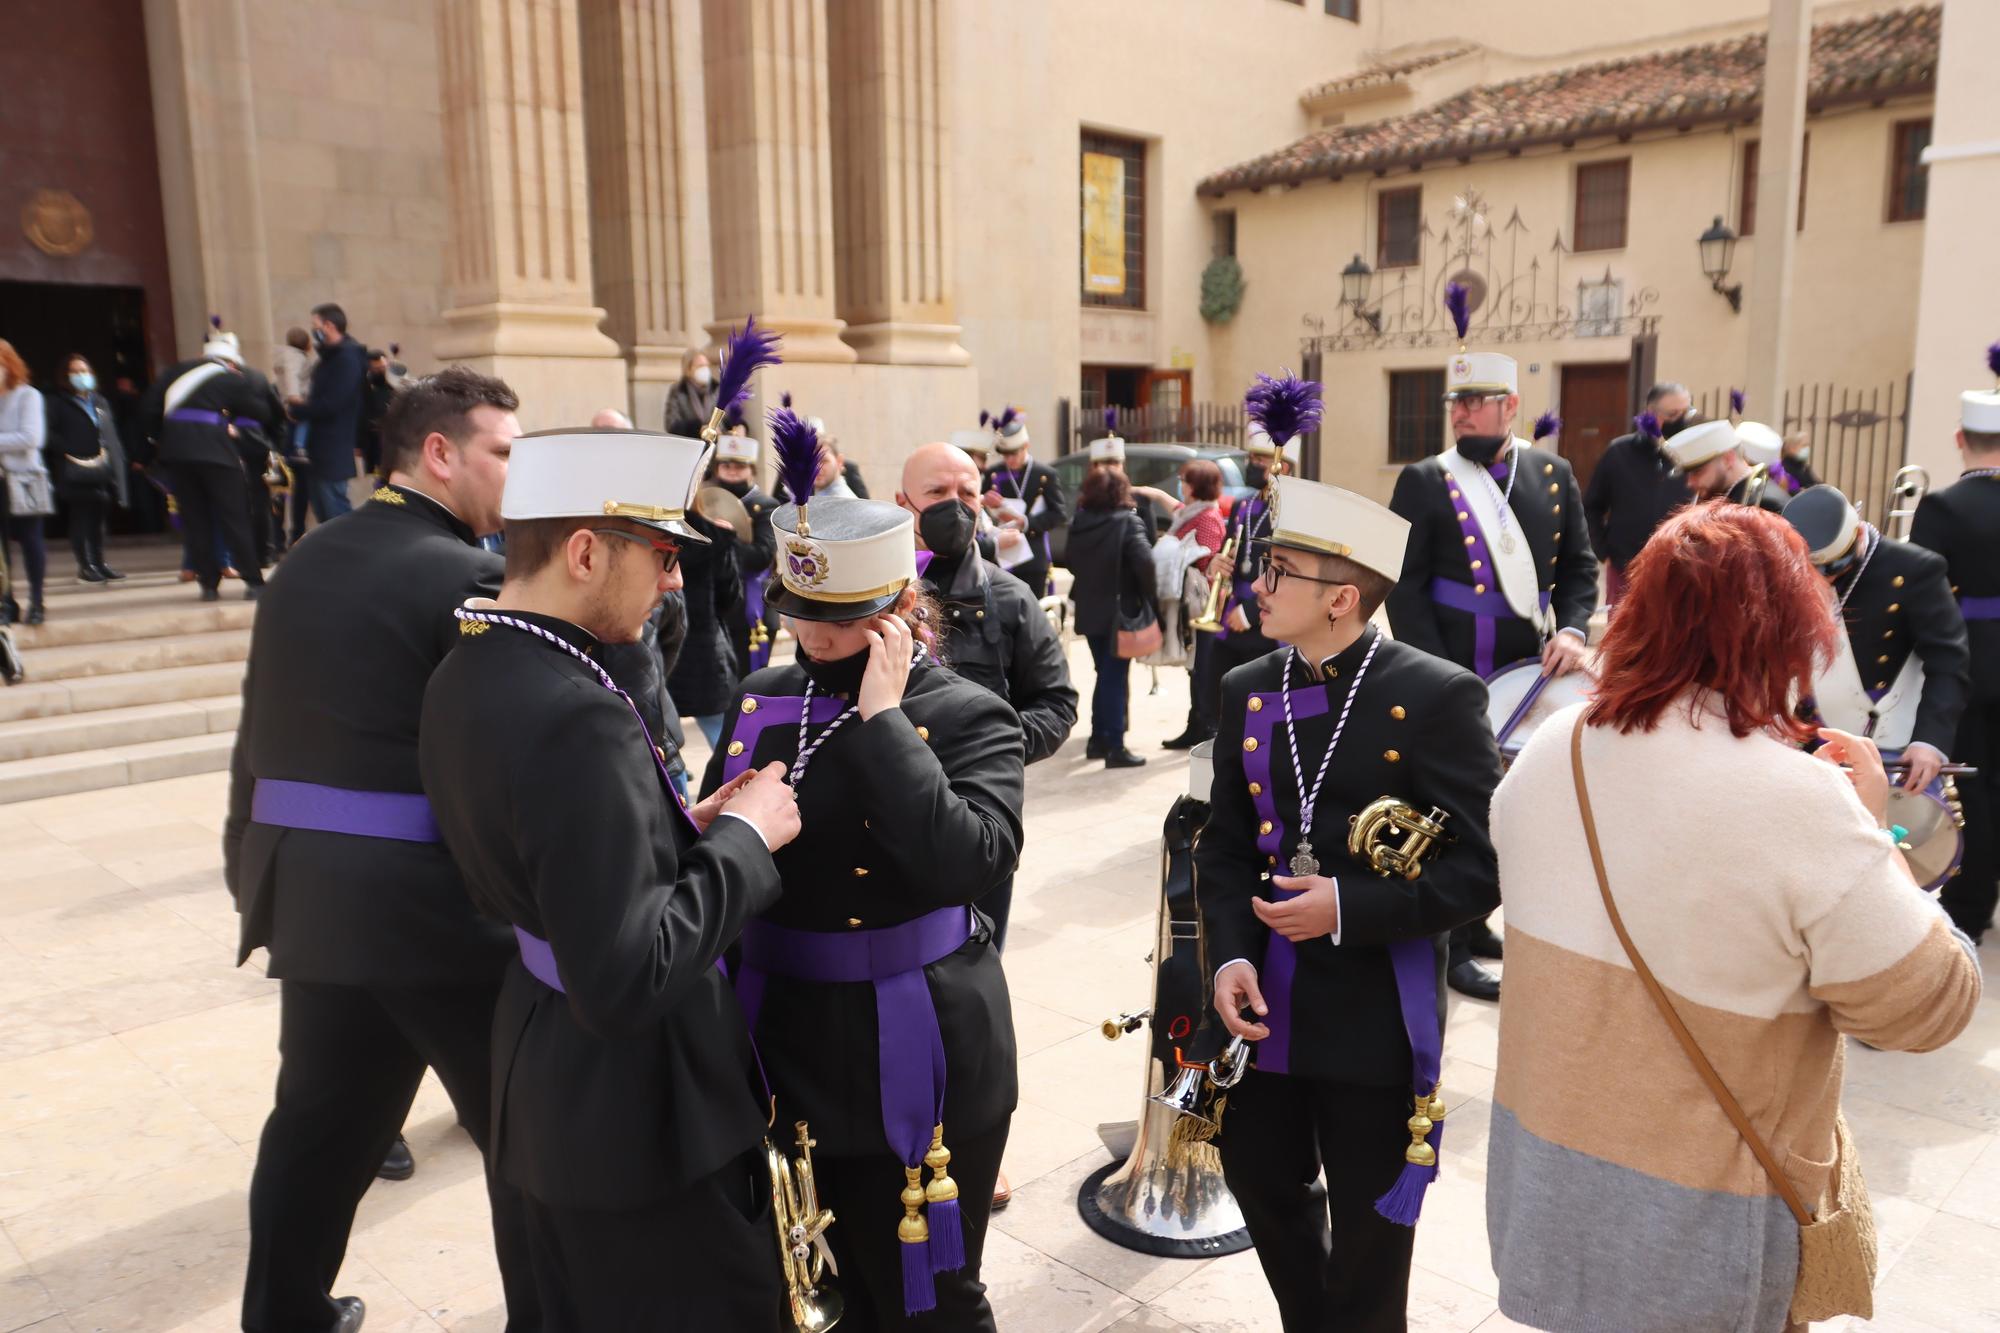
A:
224	346
1826	519
1010	431
1759	443
642	475
1481	372
1257	443
733	448
1107	449
1699	443
972	440
854	560
1979	409
1312	516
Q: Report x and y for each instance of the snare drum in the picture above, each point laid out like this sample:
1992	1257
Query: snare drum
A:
1519	700
1936	838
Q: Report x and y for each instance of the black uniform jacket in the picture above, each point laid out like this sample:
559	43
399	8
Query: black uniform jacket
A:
1040	483
1904	605
1961	522
705	672
1347	1024
916	809
1631	493
640	1079
346	638
1547	508
996	636
230	393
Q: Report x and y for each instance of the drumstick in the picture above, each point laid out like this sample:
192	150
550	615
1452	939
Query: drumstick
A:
1520	712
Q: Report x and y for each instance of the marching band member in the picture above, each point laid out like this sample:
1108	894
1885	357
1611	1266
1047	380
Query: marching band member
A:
1342	972
1711	456
1961	522
1241	638
735	470
1024	498
1903	671
1500	566
872	986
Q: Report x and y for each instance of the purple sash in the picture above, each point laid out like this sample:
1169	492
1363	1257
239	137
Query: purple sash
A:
1486	608
198	416
1979	608
753	612
402	816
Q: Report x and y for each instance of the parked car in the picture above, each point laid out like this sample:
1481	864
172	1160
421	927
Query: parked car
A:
1157	465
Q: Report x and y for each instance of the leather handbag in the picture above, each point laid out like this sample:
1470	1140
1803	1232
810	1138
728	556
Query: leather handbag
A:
1837	1253
29	495
1145	635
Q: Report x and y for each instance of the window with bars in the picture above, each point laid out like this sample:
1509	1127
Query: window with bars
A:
1909	178
1113	190
1399	219
1603	196
1746	211
1345	9
1223	236
1416	414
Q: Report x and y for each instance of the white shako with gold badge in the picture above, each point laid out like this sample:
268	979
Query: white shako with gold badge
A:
1312	516
1110	446
1700	442
644	476
733	448
839	558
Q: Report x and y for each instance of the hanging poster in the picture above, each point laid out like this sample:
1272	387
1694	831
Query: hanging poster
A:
1103	224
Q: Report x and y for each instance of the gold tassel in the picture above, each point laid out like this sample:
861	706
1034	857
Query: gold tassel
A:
1420	1153
913	1229
938	1159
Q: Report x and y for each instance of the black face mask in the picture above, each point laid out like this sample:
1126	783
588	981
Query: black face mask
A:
1481	449
739	489
1255	475
946	528
1669	429
842	676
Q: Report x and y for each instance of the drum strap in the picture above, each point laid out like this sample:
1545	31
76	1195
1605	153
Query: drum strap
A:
1511	562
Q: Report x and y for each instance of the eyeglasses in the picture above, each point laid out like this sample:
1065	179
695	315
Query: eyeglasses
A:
1471	402
1271	573
670	552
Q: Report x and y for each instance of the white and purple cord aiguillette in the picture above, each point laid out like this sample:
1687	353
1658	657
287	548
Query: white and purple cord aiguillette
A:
1303	860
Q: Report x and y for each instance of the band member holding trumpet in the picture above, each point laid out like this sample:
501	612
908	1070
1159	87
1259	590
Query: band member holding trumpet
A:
872	986
1961	522
1902	671
1500	566
1332	939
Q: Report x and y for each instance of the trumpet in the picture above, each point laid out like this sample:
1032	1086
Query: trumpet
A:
1909	487
1369	837
1219	570
801	1224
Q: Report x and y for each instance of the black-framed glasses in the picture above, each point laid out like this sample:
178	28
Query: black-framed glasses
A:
1270	573
667	549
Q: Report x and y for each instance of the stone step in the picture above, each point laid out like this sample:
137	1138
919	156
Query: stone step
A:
71	733
176	613
89	694
66	596
118	766
136	655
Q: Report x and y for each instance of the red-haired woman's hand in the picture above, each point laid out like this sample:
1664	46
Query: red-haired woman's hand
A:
1863	764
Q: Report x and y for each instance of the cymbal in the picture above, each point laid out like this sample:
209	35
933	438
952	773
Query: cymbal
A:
721	505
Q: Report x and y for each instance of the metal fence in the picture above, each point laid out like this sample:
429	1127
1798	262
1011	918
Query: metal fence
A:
1219	425
1859	436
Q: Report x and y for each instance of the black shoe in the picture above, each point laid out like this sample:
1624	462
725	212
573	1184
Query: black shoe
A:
1123	758
397	1164
1095	749
109	574
10	610
250	593
1483	943
89	575
1470	978
1187	740
211	595
352	1312
35	616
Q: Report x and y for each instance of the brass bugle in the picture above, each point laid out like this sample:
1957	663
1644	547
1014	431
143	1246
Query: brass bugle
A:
1221	570
1114	1028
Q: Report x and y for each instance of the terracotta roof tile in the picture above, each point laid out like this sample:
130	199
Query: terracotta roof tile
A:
1857	59
1386	73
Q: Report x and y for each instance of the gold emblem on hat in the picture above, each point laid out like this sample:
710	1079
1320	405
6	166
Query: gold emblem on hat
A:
806	563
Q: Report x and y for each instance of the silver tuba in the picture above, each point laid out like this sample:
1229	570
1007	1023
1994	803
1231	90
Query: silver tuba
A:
801	1224
1163	1193
1906	491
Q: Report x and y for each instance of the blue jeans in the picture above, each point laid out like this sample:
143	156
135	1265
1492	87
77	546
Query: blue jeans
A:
711	727
1113	690
329	499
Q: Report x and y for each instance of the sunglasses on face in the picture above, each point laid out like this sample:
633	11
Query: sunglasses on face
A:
669	553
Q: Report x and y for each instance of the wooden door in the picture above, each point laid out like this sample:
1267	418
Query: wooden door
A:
1595	411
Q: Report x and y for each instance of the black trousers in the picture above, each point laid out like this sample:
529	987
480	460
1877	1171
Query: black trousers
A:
351	1059
257	514
997	904
1333	1262
87	511
704	1261
213	497
1969	898
862	1192
1204	686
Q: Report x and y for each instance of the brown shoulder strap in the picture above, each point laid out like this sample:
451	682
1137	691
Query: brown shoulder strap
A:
1723	1097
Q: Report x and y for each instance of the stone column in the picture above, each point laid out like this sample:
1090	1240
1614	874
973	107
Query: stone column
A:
511	83
1779	159
770	176
644	129
891	136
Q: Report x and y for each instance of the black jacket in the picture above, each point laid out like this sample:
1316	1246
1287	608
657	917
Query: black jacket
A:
1961	522
231	393
1633	490
1549	512
1347	1024
1110	559
689	408
705	674
640	1079
346	638
753	557
74	437
916	809
1902	605
996	636
334	406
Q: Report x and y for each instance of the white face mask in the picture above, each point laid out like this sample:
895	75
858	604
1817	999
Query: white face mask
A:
702	378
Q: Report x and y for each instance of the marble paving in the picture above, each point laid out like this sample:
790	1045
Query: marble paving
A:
136	1067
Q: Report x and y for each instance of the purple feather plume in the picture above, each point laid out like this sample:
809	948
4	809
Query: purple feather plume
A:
785	398
1648	425
1547	424
1005	419
1285	407
215	322
796	444
1459	302
984	416
1110	421
1993	359
732	417
746	350
1736	401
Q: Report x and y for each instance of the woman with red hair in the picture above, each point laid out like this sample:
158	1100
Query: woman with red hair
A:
1620	1194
